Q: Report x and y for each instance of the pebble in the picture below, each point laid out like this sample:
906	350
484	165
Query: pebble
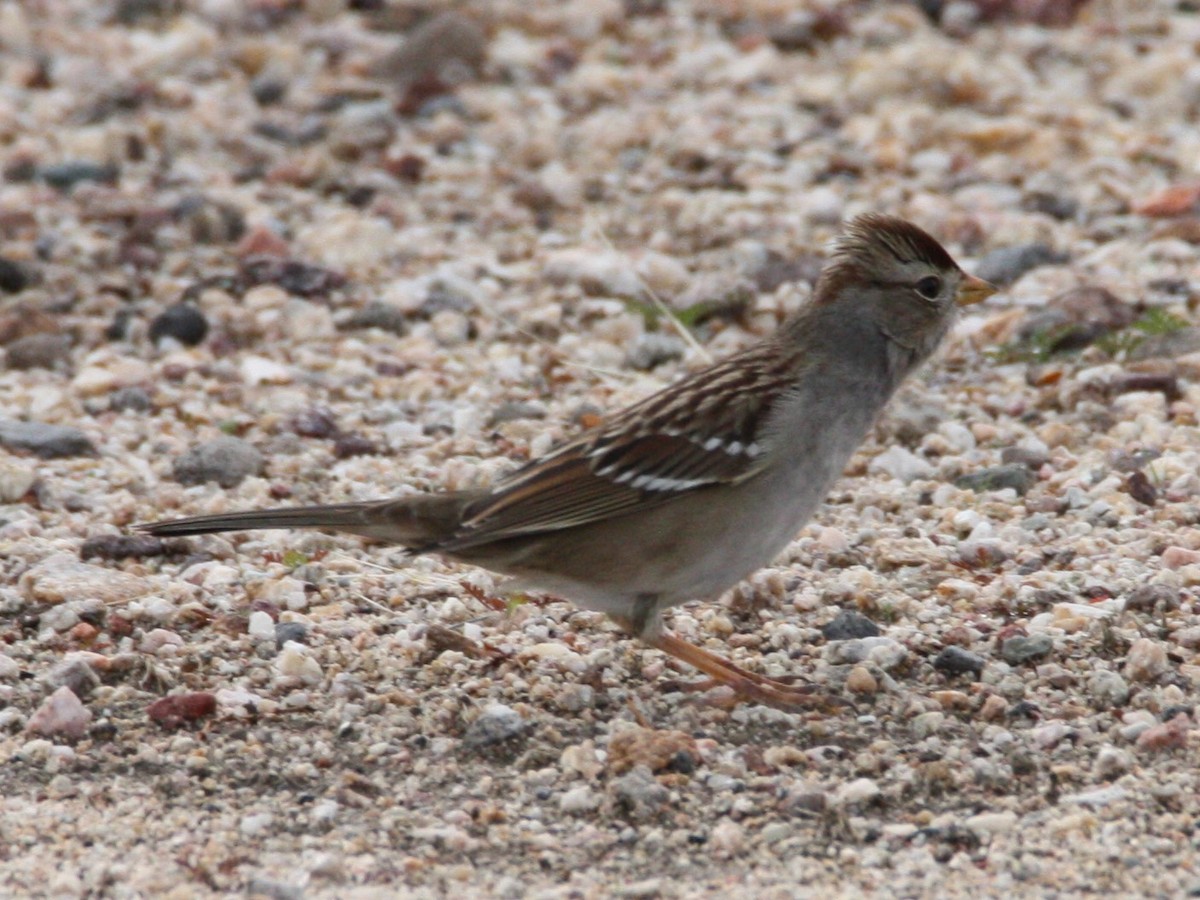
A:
849	624
1016	476
1021	649
901	464
10	670
579	801
957	661
45	440
291	631
861	681
39	351
727	839
1005	265
447	47
1146	660
60	715
225	460
183	322
75	674
653	349
638	793
14	277
496	724
885	652
1112	762
294	662
256	824
656	750
859	792
61	577
1178	557
990	823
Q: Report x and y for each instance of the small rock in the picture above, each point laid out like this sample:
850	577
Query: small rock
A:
1112	762
859	792
1108	689
60	715
991	822
130	399
74	674
1020	649
295	277
848	625
256	824
1167	735
957	661
64	176
994	707
861	681
260	625
1004	266
447	48
1177	557
294	662
384	316
225	460
638	793
122	546
291	631
497	723
885	652
183	322
179	709
39	351
62	577
353	443
1015	476
656	750
44	440
1030	457
653	349
1146	660
14	278
727	839
9	669
901	464
579	801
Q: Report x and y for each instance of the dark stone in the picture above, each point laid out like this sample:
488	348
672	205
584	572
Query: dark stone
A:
957	661
354	444
1023	456
267	90
1007	264
183	322
39	351
1140	489
653	349
512	411
383	316
1020	649
497	724
1056	206
290	631
130	399
122	546
1015	475
848	625
13	276
295	277
314	422
1152	597
44	440
225	460
64	176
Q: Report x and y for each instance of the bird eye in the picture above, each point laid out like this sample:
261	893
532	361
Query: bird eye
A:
929	287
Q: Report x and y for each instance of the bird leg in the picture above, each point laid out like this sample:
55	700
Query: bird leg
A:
745	684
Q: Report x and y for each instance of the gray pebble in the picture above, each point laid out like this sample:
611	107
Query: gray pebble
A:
1007	264
130	399
384	316
39	351
848	625
497	724
957	661
290	631
1024	456
45	440
1108	689
225	460
654	348
14	278
1015	475
74	674
1021	649
639	793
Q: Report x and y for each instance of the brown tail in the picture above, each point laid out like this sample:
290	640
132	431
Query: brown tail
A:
419	521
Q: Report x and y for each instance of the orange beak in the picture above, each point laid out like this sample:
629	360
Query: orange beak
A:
973	290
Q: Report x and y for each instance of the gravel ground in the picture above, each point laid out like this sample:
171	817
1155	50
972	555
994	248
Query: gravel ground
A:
279	252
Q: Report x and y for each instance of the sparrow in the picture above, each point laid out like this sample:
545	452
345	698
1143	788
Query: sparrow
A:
683	494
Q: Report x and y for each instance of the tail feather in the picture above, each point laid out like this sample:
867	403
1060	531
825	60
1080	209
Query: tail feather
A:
418	521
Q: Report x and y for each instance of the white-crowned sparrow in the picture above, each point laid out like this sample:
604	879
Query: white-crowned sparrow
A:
682	495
